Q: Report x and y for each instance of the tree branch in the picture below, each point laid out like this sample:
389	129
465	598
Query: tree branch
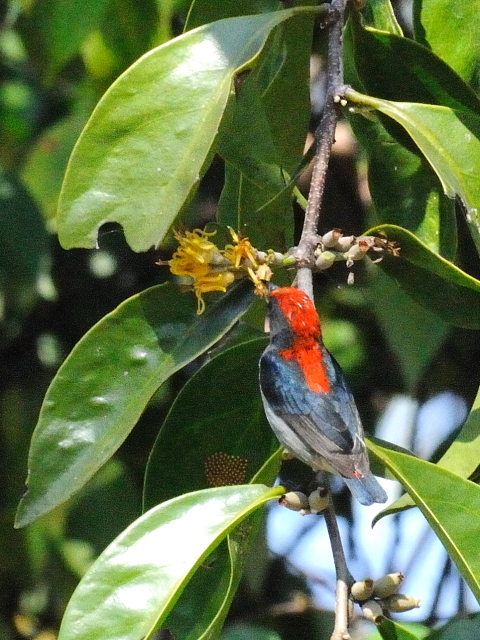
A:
325	137
344	577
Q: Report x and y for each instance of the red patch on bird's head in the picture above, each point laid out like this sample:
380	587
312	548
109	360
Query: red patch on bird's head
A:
299	310
305	323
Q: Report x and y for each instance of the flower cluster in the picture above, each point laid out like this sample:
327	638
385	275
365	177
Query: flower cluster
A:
213	269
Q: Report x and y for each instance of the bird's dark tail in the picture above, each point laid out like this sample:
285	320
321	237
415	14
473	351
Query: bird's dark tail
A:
366	490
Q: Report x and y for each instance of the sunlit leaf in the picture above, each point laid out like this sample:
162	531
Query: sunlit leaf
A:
449	139
448	502
133	585
104	385
148	140
462	457
461	50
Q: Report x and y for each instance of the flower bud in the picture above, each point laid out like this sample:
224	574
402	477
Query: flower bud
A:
344	243
388	585
331	238
318	500
325	260
398	603
261	256
373	611
294	500
362	590
357	251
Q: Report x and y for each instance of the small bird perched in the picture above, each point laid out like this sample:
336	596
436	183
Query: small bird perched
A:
306	397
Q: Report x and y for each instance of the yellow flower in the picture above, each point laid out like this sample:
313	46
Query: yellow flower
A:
194	258
241	249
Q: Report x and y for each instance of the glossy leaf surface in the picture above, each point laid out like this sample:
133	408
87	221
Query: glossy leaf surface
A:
133	585
450	140
147	142
104	385
461	457
192	617
431	280
461	50
448	502
404	188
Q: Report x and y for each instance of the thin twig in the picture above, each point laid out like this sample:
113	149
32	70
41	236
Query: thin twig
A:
344	577
325	137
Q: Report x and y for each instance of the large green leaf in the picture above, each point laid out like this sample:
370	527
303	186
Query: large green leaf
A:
449	503
392	67
462	457
404	188
204	11
432	21
390	630
104	385
432	281
133	585
413	333
265	136
449	139
192	617
149	138
219	412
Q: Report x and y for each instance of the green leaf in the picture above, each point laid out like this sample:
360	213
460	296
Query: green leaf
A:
452	35
54	30
395	68
461	628
414	334
449	139
105	383
404	188
390	630
204	11
136	581
264	138
149	138
449	503
461	457
192	617
24	243
380	15
432	281
219	411
46	162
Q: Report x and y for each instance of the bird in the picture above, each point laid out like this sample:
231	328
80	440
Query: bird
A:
306	397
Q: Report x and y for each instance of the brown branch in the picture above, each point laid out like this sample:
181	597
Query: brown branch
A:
344	577
325	137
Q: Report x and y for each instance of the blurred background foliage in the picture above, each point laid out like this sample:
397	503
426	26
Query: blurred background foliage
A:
56	60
